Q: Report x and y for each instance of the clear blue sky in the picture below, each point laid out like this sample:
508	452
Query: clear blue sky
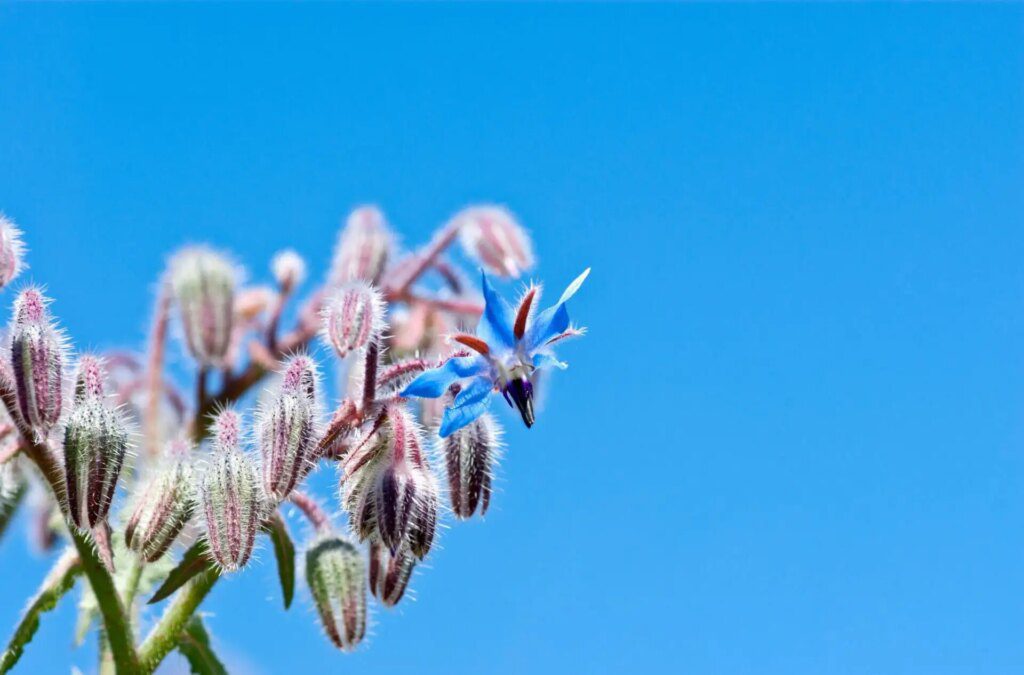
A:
793	441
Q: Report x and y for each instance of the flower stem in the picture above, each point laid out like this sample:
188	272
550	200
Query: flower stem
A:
165	635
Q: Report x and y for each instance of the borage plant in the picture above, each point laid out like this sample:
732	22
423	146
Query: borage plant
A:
419	357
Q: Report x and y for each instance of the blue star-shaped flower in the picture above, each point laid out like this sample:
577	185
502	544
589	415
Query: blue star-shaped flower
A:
509	351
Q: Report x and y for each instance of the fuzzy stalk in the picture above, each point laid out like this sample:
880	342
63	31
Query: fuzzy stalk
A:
165	635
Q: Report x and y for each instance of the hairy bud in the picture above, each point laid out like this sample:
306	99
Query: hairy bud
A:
337	582
204	287
95	445
286	429
363	248
289	269
389	573
491	236
469	455
37	362
352	316
232	502
165	508
12	250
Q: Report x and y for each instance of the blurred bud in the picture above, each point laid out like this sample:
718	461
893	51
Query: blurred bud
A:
12	250
232	503
37	362
286	429
352	316
363	248
289	270
337	582
389	573
469	455
204	288
12	488
253	301
95	444
165	508
491	236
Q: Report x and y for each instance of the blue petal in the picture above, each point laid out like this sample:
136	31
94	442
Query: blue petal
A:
496	323
477	389
457	417
434	383
544	360
554	319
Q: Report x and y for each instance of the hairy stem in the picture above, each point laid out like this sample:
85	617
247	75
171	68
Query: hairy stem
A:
165	635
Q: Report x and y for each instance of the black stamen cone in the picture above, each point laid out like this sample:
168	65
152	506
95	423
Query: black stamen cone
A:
521	392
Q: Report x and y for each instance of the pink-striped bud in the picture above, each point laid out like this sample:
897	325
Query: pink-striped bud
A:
231	498
204	288
469	455
491	236
12	251
289	269
337	582
95	445
389	573
166	506
352	316
37	362
286	428
363	248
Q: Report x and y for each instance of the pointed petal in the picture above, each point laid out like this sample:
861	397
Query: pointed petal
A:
457	417
495	325
477	389
571	289
434	383
543	360
553	320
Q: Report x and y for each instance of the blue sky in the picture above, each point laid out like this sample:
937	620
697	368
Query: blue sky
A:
791	443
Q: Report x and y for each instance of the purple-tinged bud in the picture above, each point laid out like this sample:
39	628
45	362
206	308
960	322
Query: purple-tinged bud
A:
469	456
389	573
166	506
95	445
229	490
12	251
204	288
363	248
337	581
491	236
37	362
286	429
289	270
352	316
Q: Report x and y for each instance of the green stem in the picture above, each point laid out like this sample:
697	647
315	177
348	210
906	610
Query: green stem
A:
165	635
59	581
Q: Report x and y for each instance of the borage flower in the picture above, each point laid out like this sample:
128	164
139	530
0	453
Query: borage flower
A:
510	350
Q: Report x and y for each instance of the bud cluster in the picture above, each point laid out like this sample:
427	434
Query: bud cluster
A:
203	283
231	496
95	445
286	428
337	581
468	456
492	236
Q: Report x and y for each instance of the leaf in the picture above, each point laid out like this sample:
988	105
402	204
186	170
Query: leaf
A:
284	551
192	563
194	645
59	581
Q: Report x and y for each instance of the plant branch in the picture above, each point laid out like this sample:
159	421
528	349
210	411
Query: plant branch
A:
165	635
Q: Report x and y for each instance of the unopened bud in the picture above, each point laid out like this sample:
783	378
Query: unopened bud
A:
286	429
165	508
469	456
12	250
95	445
253	301
352	316
37	362
231	498
491	236
204	287
389	573
289	269
337	582
363	248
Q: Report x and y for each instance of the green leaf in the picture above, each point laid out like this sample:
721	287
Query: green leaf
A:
194	645
284	551
59	581
192	563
